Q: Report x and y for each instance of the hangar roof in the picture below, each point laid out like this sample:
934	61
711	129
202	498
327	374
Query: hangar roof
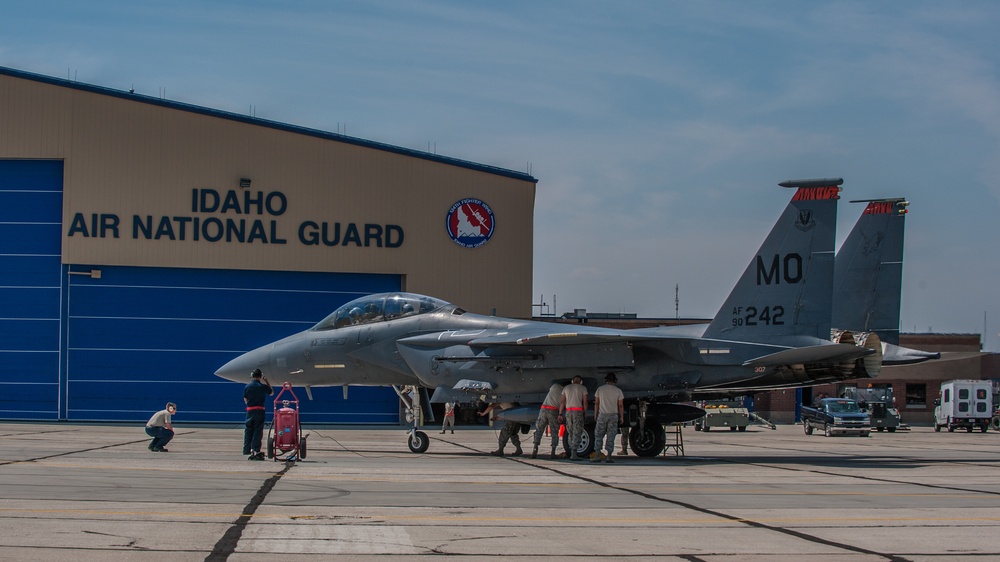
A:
264	123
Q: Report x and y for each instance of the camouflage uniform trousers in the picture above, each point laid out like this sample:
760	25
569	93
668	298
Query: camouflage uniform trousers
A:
509	432
607	424
549	419
574	427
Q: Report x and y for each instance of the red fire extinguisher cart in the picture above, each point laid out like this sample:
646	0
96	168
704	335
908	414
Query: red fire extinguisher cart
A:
284	440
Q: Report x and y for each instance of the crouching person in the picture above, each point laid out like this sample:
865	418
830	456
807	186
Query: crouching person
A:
160	429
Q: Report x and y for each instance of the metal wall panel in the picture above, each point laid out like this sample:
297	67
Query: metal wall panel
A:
30	274
140	337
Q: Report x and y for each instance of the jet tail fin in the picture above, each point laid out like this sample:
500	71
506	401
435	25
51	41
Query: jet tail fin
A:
787	288
868	275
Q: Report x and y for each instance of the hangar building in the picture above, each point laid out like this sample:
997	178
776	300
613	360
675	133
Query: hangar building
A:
146	242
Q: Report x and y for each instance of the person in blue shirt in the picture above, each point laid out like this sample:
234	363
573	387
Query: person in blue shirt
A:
254	395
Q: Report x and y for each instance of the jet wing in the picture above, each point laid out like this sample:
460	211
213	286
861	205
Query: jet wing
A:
552	338
811	354
519	336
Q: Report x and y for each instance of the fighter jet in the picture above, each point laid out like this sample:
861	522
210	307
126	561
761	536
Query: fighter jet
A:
773	331
868	279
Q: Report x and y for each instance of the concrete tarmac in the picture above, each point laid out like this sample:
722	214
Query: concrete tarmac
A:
94	492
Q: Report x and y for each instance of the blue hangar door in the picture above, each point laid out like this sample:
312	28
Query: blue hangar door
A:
137	338
117	345
30	288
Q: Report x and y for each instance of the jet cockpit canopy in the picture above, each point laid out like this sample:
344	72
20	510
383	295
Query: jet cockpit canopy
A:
379	308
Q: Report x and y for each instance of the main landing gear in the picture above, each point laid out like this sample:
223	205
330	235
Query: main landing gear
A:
416	440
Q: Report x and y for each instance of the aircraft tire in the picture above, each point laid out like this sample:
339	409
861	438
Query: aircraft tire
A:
418	442
650	442
586	441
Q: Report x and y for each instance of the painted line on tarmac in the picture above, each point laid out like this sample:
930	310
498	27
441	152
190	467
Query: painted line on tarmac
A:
467	517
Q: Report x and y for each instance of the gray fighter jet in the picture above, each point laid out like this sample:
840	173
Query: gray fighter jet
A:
772	332
868	280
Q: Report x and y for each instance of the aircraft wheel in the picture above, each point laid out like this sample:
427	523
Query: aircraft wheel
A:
302	448
270	447
586	441
649	442
418	442
807	428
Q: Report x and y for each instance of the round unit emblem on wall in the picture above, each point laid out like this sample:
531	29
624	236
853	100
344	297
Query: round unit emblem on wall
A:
470	223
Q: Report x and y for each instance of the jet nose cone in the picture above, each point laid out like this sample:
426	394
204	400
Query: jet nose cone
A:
239	369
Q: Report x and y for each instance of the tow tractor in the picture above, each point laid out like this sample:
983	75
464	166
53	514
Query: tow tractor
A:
879	404
285	441
727	413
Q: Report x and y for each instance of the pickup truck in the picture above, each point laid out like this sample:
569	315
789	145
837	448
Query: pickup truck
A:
836	416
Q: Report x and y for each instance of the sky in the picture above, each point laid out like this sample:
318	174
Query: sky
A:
658	130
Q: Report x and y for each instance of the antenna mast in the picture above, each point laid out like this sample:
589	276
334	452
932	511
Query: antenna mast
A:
677	301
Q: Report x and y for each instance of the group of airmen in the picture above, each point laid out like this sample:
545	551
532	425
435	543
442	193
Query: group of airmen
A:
567	405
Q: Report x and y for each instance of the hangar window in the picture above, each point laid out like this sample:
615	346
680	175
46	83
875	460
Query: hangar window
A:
379	308
916	395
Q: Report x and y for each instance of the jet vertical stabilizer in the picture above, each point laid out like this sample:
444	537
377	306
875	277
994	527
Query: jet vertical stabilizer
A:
786	290
868	280
868	275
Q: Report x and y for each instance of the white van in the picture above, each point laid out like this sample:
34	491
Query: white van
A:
964	404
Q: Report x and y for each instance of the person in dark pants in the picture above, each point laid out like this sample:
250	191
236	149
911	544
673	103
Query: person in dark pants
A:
254	395
160	429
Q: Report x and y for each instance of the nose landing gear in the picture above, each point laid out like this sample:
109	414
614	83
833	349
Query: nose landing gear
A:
417	440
